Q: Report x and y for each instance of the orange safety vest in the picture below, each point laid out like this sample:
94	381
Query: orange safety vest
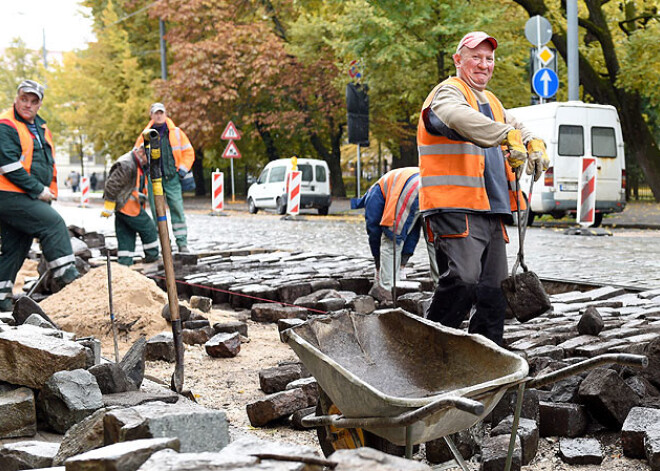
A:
400	193
452	171
27	149
182	149
132	206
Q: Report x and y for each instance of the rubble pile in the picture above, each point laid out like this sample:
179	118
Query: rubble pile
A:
583	325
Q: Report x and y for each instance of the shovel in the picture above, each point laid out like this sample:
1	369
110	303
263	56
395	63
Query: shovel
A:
152	140
524	292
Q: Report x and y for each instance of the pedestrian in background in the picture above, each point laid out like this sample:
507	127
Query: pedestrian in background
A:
125	195
28	184
391	210
93	180
467	187
74	179
177	157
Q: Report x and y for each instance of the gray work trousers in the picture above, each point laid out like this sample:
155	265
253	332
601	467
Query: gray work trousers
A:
471	256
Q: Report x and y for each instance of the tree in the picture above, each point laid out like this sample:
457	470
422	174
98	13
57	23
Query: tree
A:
617	66
102	93
231	60
17	63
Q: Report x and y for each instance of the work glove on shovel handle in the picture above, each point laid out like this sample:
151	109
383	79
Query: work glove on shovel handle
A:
538	158
515	151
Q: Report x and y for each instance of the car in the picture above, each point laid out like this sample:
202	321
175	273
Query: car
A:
270	189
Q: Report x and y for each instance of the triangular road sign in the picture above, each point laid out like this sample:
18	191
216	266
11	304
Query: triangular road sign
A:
230	132
231	151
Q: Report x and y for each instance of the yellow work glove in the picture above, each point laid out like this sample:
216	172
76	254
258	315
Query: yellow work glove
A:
108	209
538	158
515	151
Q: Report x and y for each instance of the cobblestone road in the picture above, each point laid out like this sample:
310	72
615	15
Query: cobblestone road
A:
629	257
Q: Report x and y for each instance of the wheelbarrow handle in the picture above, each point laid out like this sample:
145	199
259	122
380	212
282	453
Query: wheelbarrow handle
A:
402	420
625	359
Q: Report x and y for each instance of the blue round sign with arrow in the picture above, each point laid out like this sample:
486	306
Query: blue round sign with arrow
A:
545	82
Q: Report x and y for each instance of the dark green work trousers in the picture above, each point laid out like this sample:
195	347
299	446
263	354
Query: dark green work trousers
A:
22	219
126	228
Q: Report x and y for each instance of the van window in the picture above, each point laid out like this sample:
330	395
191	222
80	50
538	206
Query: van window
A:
263	176
571	140
320	173
306	170
603	142
277	174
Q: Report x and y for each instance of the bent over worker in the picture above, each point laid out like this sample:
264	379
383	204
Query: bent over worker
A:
126	194
391	206
28	184
177	158
467	187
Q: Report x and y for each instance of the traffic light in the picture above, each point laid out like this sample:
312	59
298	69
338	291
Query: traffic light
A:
357	104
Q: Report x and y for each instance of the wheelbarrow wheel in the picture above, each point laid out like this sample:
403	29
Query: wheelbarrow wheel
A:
332	439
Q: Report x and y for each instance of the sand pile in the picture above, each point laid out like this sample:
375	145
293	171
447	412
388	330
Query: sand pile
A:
82	307
28	270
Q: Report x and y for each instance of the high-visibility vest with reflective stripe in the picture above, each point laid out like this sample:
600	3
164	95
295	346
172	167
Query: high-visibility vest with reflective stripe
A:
400	191
27	150
182	149
132	206
452	172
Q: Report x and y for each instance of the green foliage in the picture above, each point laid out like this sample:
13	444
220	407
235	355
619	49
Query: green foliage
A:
18	63
102	93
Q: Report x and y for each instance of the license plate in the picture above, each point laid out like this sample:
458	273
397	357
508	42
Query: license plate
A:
568	187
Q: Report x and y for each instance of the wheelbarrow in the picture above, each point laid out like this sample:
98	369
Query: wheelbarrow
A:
396	378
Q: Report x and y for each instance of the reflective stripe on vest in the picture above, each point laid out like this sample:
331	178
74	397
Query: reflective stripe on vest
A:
452	172
27	150
400	188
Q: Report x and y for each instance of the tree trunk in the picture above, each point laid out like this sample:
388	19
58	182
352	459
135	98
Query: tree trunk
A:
333	158
267	138
407	153
198	173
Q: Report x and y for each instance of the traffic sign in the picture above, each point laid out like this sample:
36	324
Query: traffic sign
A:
545	83
545	55
230	132
231	151
354	69
538	30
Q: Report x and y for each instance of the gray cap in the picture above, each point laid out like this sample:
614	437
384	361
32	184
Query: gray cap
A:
30	86
156	107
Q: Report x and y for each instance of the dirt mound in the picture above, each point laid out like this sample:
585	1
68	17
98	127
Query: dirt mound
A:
82	307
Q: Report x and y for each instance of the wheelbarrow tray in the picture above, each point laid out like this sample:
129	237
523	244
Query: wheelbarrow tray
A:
391	362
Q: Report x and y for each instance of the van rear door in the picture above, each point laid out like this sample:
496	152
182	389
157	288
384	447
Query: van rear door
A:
604	136
571	130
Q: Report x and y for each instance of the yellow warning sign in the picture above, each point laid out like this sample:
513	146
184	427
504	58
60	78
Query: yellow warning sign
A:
545	55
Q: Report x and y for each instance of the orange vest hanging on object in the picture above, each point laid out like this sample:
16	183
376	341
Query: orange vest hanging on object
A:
452	172
182	149
394	188
27	150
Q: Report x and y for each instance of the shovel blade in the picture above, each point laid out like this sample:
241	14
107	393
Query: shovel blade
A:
525	296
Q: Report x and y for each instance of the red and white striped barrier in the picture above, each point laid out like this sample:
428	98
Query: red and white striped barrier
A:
217	191
84	191
293	199
586	210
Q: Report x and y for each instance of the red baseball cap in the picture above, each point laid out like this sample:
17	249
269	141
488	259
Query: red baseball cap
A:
473	39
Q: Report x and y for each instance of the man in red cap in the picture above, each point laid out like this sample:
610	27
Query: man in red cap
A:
467	187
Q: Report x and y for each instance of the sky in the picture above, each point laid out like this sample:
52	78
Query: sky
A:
63	21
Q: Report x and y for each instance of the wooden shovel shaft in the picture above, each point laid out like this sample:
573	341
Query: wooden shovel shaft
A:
170	282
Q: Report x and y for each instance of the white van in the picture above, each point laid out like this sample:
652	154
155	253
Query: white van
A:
572	130
269	191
